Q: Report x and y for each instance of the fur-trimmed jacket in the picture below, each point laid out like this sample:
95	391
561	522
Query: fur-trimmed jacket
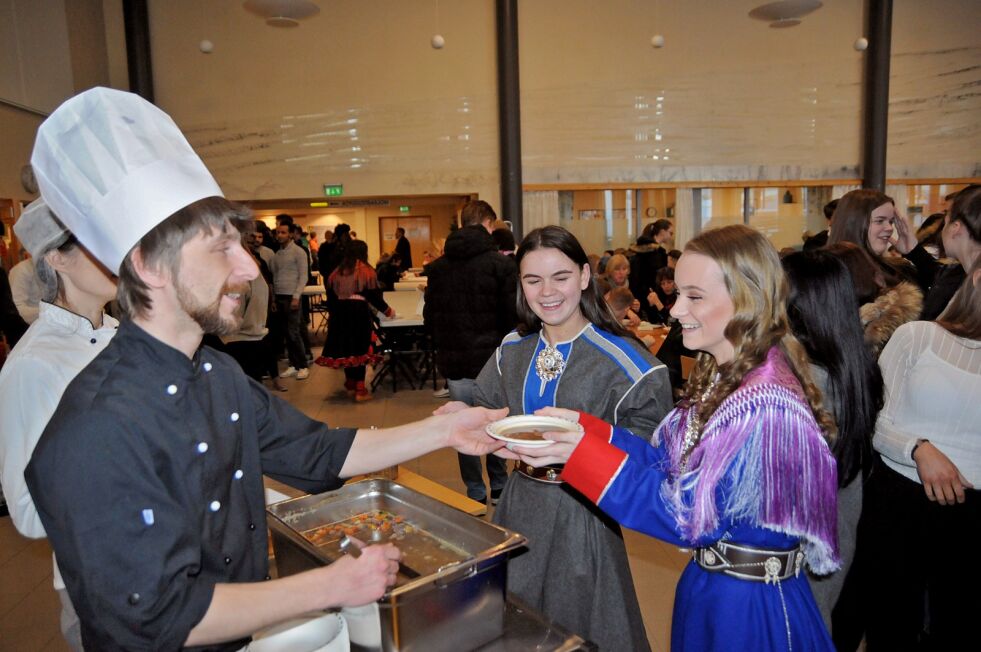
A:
890	310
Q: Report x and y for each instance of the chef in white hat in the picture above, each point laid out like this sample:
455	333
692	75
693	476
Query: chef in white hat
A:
71	329
148	478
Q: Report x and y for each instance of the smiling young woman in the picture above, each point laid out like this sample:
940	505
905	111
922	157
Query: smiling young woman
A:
740	472
868	218
569	351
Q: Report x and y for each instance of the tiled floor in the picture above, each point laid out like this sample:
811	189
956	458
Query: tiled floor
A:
29	607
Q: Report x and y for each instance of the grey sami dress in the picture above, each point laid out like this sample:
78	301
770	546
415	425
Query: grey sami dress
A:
575	570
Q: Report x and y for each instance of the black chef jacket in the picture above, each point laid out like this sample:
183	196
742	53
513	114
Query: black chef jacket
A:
148	480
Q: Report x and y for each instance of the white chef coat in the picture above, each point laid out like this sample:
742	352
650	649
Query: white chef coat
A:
54	349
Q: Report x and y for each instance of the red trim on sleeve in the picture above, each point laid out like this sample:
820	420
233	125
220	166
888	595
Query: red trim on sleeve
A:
596	427
592	465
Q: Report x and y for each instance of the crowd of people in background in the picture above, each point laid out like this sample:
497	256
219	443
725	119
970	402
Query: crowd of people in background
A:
873	332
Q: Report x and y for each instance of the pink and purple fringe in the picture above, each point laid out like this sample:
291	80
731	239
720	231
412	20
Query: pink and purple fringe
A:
783	476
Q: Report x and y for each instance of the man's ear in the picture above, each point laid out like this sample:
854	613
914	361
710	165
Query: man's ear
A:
153	276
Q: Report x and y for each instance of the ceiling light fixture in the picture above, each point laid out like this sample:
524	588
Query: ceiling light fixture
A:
282	13
785	13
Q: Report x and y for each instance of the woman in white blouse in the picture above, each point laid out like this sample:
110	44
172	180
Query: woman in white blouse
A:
71	329
922	505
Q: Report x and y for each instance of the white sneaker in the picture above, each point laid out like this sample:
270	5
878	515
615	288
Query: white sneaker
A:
289	373
442	393
302	374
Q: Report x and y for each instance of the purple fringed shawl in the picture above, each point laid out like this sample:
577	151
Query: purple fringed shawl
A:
783	476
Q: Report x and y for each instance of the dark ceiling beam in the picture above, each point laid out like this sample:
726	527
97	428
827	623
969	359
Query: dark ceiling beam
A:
509	113
136	23
876	86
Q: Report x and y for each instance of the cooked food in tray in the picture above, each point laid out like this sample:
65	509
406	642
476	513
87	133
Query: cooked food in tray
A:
421	551
373	526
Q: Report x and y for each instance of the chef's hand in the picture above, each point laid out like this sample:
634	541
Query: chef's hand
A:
905	234
295	304
450	407
363	580
466	430
942	480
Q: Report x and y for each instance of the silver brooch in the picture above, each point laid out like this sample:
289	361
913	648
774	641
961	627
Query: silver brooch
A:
772	568
549	363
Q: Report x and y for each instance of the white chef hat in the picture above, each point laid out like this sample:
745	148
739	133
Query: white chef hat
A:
39	230
112	166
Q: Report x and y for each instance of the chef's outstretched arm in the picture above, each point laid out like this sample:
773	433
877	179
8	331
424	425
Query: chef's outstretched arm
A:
462	430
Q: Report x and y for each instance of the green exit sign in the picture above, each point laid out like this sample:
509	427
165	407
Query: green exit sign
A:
403	209
335	190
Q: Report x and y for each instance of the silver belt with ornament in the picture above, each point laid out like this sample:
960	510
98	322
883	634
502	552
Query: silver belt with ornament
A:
749	563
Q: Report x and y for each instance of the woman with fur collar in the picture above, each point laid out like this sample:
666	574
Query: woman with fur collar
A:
883	308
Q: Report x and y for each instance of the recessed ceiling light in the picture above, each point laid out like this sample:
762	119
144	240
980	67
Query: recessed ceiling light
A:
282	13
785	13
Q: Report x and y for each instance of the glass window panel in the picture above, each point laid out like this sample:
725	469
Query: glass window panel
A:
779	214
721	207
925	200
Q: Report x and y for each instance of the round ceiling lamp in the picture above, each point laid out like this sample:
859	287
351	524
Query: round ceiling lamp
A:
282	13
785	13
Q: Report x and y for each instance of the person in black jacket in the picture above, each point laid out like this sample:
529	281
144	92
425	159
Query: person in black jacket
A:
647	257
403	249
470	307
331	253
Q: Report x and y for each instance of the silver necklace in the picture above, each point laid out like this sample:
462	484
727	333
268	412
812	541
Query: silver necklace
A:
693	427
549	363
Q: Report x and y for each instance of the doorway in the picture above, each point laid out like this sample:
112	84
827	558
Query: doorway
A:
417	231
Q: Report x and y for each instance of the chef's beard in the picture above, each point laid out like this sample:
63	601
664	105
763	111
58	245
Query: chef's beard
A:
208	315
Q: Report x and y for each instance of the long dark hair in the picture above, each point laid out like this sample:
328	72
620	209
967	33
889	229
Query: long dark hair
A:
823	312
868	282
592	305
355	251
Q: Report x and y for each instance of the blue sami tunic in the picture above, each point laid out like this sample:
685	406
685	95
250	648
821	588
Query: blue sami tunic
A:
771	484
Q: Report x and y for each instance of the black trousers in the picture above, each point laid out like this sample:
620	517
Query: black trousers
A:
917	574
257	358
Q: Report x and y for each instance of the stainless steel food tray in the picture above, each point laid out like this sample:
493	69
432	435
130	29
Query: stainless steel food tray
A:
456	606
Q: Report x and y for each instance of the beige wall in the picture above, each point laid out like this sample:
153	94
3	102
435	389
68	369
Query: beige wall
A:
355	96
17	129
80	27
87	43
